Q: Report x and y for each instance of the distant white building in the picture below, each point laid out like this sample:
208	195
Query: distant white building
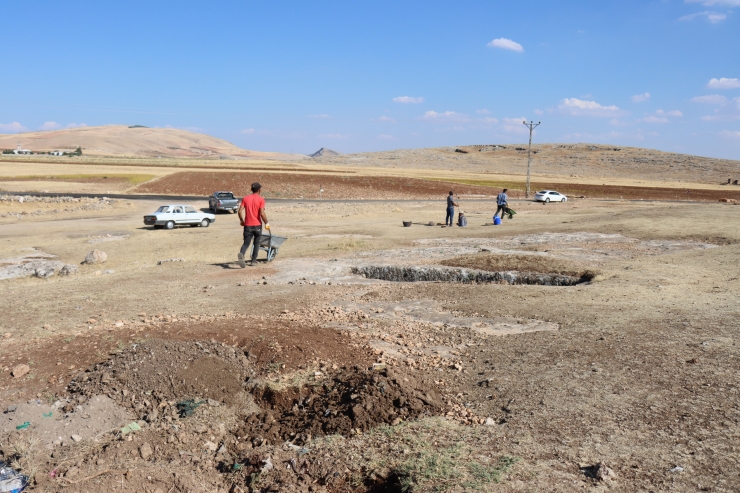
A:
20	150
57	153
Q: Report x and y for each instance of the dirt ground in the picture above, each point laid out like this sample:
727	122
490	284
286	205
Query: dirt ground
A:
298	375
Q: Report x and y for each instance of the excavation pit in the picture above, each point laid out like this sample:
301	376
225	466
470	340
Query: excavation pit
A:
469	276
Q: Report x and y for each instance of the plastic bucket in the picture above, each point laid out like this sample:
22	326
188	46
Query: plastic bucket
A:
496	220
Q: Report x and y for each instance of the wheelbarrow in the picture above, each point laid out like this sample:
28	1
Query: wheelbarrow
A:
270	244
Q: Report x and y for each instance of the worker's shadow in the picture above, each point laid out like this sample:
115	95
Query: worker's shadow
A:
235	265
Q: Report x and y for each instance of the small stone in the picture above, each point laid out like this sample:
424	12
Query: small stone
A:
604	473
213	403
20	370
210	446
76	438
48	327
489	422
145	451
68	270
95	257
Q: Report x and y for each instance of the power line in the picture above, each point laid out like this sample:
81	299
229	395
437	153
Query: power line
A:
531	125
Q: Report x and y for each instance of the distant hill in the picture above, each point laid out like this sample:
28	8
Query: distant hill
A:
135	141
324	152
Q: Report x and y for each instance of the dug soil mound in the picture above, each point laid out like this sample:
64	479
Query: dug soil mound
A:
144	375
346	402
520	263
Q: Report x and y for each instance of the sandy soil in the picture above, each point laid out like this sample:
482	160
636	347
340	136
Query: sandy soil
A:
553	160
537	384
122	140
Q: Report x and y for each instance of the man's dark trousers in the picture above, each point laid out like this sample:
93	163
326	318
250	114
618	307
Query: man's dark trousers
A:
450	216
251	233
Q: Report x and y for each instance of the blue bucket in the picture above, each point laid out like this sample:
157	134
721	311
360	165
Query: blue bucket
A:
496	220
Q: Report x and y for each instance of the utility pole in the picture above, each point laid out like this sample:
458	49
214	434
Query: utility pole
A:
531	125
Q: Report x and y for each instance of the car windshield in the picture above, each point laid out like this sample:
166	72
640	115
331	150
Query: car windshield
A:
163	208
225	195
543	192
189	209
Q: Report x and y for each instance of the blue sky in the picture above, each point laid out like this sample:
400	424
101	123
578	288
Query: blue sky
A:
363	76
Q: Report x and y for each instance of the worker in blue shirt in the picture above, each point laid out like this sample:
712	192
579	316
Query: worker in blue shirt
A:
501	202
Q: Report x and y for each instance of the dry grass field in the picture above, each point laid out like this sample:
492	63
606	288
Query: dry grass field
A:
167	368
493	386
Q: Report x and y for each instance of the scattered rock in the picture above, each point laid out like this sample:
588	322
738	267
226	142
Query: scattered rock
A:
20	370
68	270
489	422
604	473
160	262
95	257
76	438
145	451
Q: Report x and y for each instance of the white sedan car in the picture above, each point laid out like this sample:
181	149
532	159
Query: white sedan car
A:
549	196
169	216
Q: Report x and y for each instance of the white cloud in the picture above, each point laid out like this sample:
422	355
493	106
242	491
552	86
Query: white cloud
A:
669	113
710	99
12	128
579	107
730	134
247	131
334	136
76	125
50	126
515	126
539	112
483	112
725	112
447	116
640	98
408	100
724	83
655	119
321	116
387	119
713	17
386	137
489	119
710	3
505	44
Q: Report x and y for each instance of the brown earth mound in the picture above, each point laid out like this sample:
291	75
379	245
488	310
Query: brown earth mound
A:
289	185
520	263
353	400
144	375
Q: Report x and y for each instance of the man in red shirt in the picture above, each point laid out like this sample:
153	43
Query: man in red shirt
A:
252	216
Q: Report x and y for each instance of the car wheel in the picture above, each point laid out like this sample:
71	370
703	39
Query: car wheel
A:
547	200
562	200
204	223
170	225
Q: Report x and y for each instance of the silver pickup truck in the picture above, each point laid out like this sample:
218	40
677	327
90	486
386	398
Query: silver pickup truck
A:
223	201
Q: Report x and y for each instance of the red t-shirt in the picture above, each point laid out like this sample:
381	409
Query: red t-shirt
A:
252	205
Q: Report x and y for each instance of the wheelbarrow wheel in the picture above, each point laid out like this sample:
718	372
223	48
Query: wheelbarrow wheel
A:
271	254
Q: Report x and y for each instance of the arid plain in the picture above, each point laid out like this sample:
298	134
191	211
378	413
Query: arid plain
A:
596	347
